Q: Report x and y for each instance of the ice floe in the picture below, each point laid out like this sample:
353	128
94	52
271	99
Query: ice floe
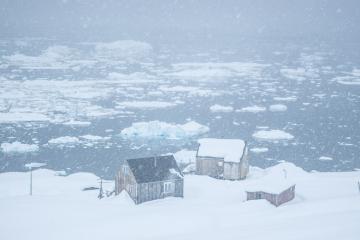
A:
215	70
12	117
64	140
325	158
18	147
299	74
252	109
286	99
54	57
123	49
277	108
221	108
145	104
272	135
158	129
259	150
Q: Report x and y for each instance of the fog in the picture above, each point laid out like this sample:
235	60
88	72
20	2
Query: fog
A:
188	21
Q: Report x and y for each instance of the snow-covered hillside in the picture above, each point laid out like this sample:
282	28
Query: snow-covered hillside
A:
326	206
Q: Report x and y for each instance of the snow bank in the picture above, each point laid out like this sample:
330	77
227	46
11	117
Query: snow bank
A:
252	109
221	108
18	147
155	129
278	108
322	201
272	135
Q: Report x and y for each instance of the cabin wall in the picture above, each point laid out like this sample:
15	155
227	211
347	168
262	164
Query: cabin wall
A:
275	199
155	190
126	181
261	195
213	167
286	196
232	170
244	164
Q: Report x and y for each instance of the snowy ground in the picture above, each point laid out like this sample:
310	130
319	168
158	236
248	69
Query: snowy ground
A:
326	206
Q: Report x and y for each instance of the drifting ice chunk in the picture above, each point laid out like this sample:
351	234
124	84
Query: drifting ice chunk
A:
155	129
145	104
252	109
271	135
221	108
18	147
64	140
259	150
278	108
324	158
75	123
22	117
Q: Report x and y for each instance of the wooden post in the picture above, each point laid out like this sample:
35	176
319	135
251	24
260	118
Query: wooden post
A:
30	181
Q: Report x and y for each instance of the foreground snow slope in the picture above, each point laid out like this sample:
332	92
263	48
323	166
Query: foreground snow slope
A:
327	206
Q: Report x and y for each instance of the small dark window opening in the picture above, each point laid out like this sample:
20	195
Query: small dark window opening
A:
258	195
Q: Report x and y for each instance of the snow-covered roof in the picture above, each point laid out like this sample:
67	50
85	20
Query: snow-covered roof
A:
231	150
276	186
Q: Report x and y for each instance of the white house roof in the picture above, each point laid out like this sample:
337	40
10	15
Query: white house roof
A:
274	186
231	150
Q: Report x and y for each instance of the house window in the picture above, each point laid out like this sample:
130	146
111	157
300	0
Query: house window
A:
168	187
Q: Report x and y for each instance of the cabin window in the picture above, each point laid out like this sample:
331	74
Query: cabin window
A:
125	170
258	195
168	187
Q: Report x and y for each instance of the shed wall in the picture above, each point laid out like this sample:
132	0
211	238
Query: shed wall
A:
210	166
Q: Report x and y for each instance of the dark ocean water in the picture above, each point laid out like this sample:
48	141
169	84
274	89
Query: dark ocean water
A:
322	114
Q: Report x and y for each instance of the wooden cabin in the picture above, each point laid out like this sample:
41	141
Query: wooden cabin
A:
151	178
276	194
222	158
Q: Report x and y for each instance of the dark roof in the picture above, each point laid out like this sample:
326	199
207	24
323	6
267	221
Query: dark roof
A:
154	169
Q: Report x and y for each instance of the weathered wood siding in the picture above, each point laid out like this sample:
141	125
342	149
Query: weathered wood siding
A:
232	171
286	196
218	168
210	166
126	182
155	190
275	199
244	164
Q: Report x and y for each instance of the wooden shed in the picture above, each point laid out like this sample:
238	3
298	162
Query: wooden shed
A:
151	178
276	193
222	158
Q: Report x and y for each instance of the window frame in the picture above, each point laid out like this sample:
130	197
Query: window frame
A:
169	187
